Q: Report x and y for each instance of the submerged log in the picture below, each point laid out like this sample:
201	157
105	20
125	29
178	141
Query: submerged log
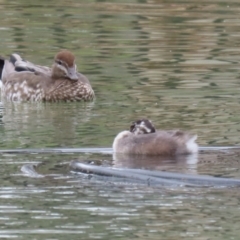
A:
155	177
139	176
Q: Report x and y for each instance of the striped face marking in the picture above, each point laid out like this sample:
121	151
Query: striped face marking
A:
142	126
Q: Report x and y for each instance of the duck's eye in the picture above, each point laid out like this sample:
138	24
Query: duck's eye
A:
59	62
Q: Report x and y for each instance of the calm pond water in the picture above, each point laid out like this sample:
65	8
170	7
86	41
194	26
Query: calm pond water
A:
176	62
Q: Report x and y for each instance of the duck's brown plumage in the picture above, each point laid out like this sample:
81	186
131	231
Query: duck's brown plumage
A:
67	56
24	81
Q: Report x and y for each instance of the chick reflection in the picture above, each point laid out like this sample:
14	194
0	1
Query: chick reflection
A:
186	162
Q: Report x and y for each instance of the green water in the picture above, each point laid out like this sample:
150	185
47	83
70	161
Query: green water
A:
175	62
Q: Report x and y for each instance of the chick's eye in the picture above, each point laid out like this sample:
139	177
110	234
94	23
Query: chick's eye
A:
59	62
132	127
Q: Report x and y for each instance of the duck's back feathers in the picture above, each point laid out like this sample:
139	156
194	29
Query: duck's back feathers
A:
23	87
21	65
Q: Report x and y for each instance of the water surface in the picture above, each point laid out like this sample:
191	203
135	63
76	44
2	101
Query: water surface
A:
175	62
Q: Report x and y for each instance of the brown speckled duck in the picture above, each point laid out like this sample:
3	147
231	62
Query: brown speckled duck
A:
143	139
25	81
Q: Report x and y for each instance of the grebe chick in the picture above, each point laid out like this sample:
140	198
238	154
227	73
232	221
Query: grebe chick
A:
143	139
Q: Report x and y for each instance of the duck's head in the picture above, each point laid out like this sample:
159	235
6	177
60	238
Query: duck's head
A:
142	126
64	66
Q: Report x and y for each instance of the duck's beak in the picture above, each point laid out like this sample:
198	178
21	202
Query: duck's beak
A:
72	73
